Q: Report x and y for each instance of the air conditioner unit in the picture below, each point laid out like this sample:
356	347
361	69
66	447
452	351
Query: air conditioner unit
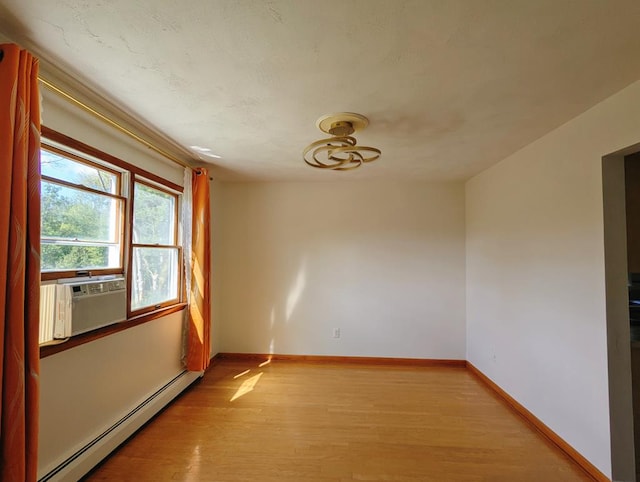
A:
82	306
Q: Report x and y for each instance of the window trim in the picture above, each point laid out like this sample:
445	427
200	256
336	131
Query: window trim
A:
135	174
80	187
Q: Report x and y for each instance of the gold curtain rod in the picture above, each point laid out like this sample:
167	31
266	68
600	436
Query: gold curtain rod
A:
112	123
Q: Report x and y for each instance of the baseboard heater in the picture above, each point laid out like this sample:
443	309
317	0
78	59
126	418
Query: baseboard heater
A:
83	460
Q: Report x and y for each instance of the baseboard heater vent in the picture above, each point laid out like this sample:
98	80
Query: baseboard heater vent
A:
82	461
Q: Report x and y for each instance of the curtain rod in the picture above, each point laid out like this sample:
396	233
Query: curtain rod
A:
112	123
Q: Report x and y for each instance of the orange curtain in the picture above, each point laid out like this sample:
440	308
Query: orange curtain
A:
19	262
198	347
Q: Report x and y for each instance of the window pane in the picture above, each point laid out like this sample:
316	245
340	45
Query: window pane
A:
59	167
73	214
58	257
155	274
153	216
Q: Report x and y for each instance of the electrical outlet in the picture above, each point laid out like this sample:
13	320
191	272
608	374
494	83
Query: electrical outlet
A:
336	332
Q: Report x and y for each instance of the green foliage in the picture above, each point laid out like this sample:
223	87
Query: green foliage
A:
70	214
153	221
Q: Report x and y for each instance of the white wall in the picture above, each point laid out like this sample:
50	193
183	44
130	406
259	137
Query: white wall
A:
536	320
87	388
62	116
384	262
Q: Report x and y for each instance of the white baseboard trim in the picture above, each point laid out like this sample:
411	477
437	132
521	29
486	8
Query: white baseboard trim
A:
81	462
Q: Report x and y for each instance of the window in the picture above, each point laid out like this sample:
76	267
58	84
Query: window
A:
101	216
82	215
155	251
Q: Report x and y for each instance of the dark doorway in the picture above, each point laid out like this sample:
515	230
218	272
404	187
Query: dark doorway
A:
632	205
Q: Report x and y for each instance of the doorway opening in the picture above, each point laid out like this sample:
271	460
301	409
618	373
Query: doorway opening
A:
621	210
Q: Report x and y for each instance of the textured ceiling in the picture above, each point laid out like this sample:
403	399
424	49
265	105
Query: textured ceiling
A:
450	87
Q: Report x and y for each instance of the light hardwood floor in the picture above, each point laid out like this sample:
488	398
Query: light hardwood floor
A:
293	421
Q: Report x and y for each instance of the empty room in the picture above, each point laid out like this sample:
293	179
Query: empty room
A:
320	241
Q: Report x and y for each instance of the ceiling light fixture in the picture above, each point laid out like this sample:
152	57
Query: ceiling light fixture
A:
340	152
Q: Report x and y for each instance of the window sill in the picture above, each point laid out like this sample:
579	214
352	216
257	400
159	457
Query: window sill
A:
58	346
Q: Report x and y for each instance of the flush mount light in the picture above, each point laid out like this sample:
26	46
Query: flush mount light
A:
340	152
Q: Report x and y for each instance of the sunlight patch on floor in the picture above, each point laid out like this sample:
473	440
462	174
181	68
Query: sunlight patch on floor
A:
247	386
241	374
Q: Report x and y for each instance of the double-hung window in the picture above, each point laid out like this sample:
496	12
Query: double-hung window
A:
82	216
155	257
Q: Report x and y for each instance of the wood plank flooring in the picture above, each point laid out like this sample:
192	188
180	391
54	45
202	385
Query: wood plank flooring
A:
292	421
